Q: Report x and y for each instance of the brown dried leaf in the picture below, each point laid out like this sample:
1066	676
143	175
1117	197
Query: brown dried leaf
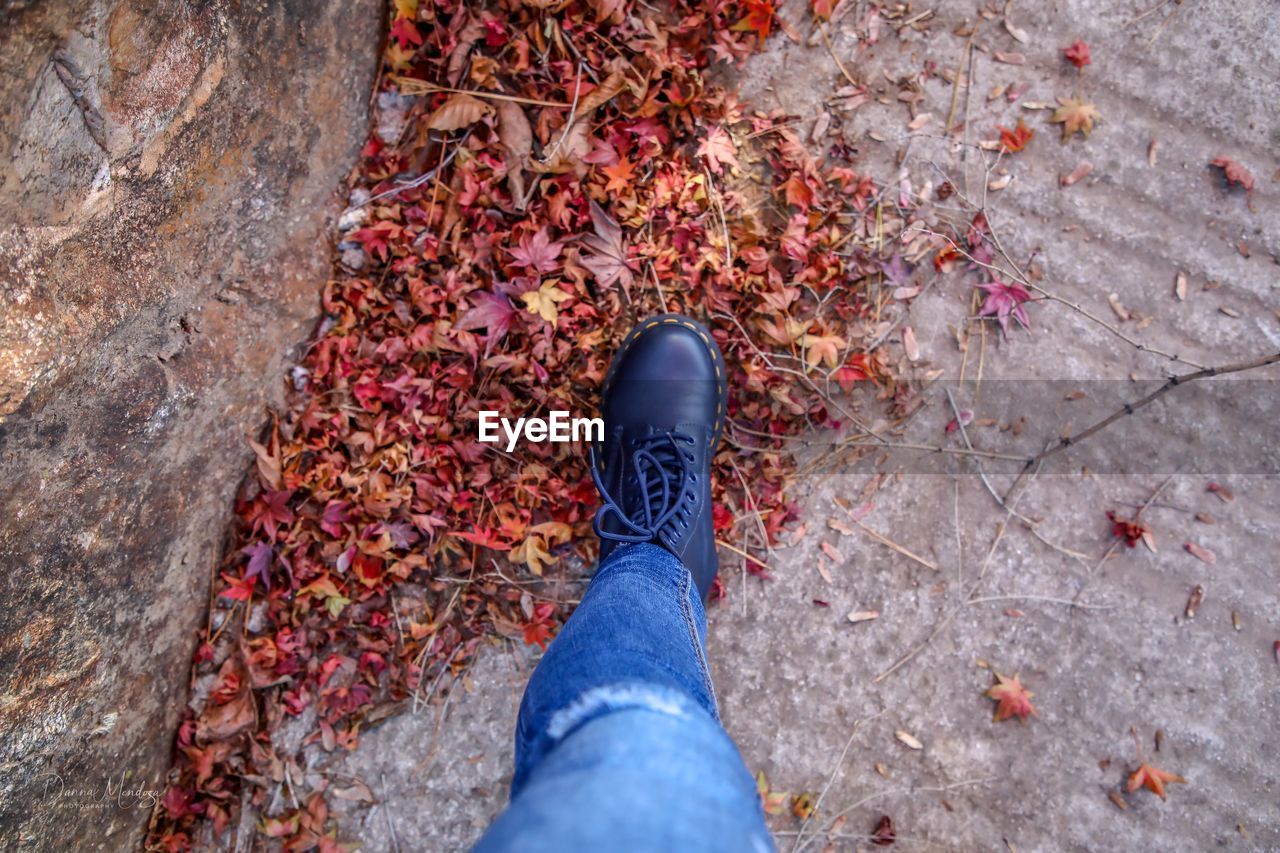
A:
268	465
1018	33
908	739
220	722
840	526
1194	600
458	112
1077	174
919	121
1113	299
1202	554
517	137
909	343
1224	493
470	33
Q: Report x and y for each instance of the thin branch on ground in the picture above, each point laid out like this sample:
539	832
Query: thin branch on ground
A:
832	50
1032	525
962	72
904	789
1129	408
835	771
386	813
741	553
890	544
411	86
903	660
568	125
1044	598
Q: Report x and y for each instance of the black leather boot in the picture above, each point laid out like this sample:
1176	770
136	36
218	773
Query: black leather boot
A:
663	405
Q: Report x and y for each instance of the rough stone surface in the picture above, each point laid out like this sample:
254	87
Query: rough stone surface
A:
796	681
168	173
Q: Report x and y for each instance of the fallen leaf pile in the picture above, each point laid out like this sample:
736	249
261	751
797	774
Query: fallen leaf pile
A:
538	177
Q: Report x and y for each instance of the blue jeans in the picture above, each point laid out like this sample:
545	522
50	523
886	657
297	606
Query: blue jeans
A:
619	744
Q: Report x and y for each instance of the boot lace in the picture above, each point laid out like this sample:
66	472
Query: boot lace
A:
660	472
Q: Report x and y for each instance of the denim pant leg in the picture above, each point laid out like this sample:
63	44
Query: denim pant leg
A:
618	743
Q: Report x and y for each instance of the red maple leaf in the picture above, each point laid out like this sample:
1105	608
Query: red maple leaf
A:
1153	778
537	631
1130	530
1235	174
537	634
1005	300
1077	54
491	311
269	510
376	239
1013	141
758	20
238	589
945	257
1012	699
406	33
495	33
538	252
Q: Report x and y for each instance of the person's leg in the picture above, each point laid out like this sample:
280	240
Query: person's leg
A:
618	743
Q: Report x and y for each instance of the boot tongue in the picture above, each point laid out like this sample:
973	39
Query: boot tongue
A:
658	404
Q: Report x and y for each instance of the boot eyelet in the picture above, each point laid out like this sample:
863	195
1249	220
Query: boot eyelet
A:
689	456
693	478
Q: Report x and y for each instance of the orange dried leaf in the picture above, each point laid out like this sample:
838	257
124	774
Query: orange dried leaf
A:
1013	141
1153	779
1235	174
758	20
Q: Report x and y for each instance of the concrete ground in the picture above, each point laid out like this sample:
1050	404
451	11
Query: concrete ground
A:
798	684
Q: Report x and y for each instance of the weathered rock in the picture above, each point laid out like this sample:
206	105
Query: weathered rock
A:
167	175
